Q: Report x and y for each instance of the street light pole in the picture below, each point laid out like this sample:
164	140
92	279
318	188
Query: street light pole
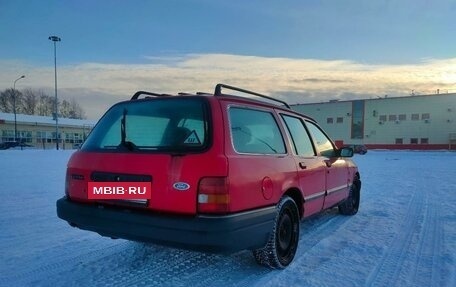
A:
56	39
14	106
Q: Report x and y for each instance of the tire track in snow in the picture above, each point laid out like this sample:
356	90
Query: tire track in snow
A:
428	248
154	267
388	269
319	228
436	233
150	265
60	264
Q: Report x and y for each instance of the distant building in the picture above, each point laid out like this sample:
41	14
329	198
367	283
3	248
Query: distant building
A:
39	131
414	122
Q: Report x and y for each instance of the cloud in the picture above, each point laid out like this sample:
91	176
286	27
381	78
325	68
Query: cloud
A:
97	86
315	80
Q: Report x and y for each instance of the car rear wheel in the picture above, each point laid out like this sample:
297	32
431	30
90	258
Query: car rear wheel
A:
351	204
283	241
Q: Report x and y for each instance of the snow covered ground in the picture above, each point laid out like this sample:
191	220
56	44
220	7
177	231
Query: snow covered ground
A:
403	235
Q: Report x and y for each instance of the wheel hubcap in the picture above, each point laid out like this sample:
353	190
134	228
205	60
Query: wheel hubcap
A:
285	232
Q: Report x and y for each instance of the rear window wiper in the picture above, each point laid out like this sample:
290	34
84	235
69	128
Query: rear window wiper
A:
123	134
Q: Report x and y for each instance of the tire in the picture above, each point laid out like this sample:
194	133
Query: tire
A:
283	241
350	205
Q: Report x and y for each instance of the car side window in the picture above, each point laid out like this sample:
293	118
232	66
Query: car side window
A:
301	141
322	142
255	131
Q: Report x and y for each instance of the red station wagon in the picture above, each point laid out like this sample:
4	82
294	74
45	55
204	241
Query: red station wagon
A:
227	173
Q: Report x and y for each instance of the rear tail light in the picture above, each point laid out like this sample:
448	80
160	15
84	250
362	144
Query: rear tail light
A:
67	184
213	195
70	179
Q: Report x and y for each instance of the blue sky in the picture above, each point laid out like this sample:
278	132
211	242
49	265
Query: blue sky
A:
315	50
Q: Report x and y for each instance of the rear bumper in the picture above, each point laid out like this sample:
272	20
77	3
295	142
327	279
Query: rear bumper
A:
226	233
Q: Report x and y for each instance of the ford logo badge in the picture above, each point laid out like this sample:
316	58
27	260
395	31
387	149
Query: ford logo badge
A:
181	186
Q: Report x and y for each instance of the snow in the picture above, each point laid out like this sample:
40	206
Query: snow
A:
403	235
34	119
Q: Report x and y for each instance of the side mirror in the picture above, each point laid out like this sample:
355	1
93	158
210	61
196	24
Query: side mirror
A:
346	152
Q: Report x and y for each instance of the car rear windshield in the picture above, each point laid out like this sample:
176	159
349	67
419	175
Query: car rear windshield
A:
167	124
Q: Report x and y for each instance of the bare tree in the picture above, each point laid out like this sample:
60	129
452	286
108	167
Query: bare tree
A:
76	110
45	105
29	102
8	98
71	109
65	109
36	102
4	101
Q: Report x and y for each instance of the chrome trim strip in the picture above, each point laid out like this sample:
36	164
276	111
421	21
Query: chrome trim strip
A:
337	189
323	193
315	196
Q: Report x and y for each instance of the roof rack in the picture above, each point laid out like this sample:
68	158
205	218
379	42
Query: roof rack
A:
218	92
138	93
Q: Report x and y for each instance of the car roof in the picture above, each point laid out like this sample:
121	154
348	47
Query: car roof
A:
219	95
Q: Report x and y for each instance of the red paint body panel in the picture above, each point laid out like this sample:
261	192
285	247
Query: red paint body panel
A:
164	169
245	173
312	183
337	181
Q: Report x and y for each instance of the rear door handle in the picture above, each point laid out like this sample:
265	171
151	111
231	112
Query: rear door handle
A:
328	163
302	165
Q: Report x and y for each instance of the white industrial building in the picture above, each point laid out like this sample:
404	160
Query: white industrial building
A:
40	131
413	122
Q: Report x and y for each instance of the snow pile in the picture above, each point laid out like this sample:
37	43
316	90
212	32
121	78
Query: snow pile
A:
403	235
